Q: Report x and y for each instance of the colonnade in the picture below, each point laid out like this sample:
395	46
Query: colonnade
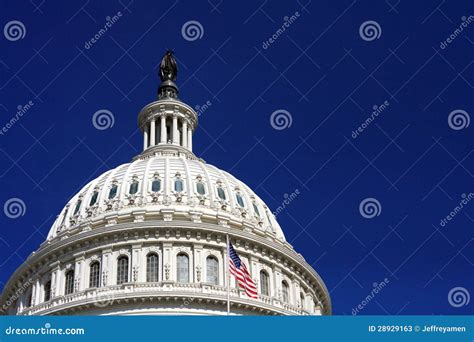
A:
168	129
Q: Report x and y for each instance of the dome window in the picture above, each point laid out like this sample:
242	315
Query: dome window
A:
152	267
63	219
113	191
240	200
255	209
221	193
200	189
78	206
47	291
285	291
69	282
122	270
212	270
264	283
182	268
29	299
133	188
156	185
94	197
94	274
178	185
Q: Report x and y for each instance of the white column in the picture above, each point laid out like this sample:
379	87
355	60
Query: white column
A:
163	130
34	288
82	273
190	139
185	133
37	298
175	130
152	133
56	280
145	138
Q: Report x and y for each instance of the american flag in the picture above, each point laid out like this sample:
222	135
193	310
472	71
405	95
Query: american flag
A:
238	269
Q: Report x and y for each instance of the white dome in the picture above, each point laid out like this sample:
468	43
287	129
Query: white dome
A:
152	237
92	202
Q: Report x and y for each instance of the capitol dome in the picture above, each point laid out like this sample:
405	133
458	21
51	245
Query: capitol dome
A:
149	237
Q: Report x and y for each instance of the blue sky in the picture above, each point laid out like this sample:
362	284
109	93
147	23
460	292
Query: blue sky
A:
324	74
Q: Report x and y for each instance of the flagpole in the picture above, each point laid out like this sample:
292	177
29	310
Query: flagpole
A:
228	275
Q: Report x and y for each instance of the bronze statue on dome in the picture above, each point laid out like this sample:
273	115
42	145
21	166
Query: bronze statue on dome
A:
168	67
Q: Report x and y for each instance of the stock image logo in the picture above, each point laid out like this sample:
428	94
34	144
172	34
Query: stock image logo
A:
458	297
14	208
14	30
192	30
370	30
459	119
102	300
103	119
370	208
281	119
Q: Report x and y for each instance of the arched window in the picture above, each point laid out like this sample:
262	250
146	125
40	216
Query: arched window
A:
78	206
122	269
156	185
94	274
178	185
47	291
200	189
221	193
285	291
113	191
133	188
264	283
240	200
182	268
212	270
69	283
94	196
152	267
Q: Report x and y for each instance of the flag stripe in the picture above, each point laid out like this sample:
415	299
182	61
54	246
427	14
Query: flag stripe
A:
238	269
